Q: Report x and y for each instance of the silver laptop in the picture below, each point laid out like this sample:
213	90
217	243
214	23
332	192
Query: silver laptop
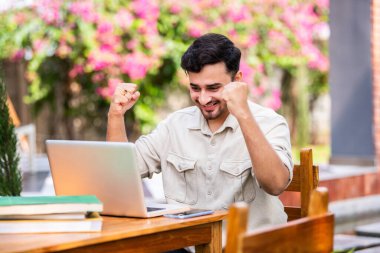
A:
107	170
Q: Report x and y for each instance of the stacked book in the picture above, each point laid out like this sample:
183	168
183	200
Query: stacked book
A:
45	214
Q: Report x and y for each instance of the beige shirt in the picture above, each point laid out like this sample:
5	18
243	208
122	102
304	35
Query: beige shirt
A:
212	170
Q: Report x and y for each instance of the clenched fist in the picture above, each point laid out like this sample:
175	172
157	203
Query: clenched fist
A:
236	94
125	96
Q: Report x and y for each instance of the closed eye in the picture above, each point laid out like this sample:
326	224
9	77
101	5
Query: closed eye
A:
213	88
194	88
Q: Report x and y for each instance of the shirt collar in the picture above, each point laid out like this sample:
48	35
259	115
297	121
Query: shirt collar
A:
230	122
200	123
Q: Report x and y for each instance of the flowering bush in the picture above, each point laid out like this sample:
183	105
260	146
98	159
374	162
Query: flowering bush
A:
81	50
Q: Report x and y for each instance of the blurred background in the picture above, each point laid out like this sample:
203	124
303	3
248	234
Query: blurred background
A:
63	60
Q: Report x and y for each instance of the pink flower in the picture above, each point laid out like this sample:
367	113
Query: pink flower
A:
195	32
106	47
253	39
196	28
214	3
49	11
248	72
20	18
98	77
316	59
40	45
289	16
99	60
232	33
304	36
132	44
84	9
319	62
238	14
77	69
274	101
260	68
104	27
257	91
135	65
309	50
107	92
146	9
278	43
123	18
175	8
18	55
283	3
109	42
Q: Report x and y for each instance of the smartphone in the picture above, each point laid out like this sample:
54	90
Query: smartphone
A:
189	214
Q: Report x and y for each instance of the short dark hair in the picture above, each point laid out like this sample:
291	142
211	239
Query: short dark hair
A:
211	48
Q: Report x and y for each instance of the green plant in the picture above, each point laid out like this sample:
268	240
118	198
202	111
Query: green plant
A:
10	175
78	51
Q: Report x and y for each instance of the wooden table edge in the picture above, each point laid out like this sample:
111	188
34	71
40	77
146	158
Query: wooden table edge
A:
217	216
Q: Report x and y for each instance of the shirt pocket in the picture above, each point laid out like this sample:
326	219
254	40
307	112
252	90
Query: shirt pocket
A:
237	176
180	180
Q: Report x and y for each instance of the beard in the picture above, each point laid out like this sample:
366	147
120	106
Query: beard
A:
213	110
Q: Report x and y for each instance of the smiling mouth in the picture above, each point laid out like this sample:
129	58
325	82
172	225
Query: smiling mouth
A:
210	106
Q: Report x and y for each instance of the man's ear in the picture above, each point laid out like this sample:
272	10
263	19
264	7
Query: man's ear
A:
238	76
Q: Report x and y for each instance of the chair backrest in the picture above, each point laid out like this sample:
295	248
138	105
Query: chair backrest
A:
305	179
12	113
313	234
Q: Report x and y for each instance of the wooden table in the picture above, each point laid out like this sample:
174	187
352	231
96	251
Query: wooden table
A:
127	235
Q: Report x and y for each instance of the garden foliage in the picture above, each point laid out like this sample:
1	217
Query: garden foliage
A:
78	51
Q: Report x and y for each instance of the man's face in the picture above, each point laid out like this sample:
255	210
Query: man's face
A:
206	90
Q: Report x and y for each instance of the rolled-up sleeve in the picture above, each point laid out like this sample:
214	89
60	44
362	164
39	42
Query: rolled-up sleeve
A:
278	136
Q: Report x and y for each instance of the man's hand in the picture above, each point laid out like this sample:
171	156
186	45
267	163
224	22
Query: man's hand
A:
125	96
235	94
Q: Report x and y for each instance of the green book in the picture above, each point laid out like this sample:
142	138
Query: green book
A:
42	200
49	204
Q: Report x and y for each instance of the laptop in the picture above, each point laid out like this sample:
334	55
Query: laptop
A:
107	170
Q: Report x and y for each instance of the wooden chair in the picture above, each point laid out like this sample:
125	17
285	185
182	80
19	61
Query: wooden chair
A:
26	135
312	234
12	113
305	179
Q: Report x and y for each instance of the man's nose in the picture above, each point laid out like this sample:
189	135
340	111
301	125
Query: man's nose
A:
204	98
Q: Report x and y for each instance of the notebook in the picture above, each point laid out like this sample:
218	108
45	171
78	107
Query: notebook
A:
107	170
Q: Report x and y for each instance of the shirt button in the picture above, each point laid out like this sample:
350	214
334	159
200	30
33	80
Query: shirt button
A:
209	193
213	142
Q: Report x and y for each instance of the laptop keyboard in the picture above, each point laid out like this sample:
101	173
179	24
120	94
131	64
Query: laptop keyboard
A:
150	209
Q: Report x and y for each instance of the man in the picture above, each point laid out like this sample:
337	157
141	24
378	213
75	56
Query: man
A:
222	150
